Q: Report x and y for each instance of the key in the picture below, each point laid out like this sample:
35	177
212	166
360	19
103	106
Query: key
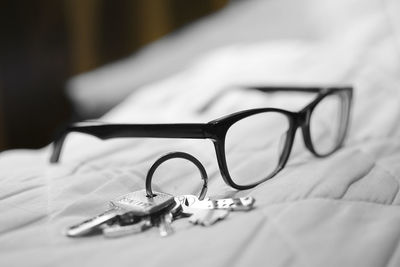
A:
190	202
90	225
208	217
117	230
156	215
207	212
127	208
233	204
126	226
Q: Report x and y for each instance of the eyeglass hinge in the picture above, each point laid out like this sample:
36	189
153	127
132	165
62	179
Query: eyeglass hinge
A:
301	119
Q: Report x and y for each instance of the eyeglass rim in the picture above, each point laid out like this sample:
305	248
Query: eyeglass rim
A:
296	120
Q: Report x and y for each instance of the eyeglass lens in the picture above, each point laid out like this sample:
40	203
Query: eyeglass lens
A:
328	123
253	146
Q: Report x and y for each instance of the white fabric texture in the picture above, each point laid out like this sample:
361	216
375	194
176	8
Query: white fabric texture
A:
342	210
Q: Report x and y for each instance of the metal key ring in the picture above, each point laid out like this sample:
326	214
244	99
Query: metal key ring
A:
181	155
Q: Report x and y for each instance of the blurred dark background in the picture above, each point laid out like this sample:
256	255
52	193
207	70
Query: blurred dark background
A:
45	42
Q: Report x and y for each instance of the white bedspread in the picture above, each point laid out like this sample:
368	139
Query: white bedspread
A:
342	210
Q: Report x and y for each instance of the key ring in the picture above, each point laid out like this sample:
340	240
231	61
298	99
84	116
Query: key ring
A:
181	155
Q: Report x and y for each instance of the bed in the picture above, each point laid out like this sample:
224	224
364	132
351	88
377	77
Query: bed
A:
341	210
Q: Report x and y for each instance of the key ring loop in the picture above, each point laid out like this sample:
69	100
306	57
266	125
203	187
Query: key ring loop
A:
181	155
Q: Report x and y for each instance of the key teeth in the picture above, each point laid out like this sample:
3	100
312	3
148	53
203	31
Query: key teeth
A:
120	231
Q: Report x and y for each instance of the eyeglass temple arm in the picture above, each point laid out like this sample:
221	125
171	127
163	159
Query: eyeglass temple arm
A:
264	89
273	89
107	131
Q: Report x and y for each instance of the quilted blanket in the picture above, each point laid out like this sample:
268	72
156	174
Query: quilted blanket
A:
342	210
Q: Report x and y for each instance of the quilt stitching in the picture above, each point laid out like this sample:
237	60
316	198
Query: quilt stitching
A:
357	180
388	172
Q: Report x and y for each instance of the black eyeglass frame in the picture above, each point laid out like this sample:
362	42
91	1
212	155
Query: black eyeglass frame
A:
216	130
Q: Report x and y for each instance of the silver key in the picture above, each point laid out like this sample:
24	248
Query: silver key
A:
91	225
233	204
158	213
207	212
190	203
127	209
207	217
158	219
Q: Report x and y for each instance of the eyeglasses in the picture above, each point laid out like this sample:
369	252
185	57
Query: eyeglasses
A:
253	145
